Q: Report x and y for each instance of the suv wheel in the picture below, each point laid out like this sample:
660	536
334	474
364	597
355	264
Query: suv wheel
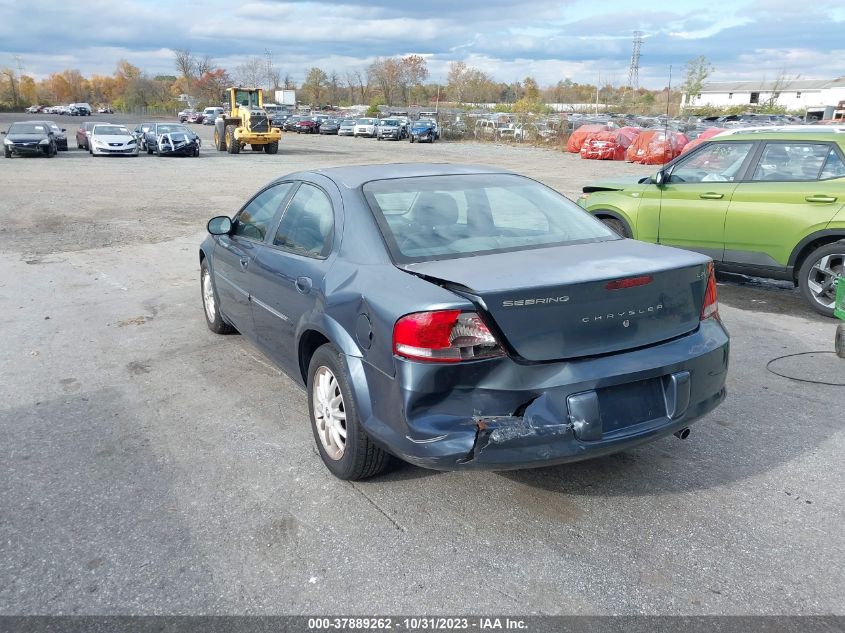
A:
817	276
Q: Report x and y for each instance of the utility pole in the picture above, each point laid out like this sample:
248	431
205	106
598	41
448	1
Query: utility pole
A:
269	55
634	70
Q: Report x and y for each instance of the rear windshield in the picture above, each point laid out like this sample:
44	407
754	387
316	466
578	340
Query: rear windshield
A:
443	217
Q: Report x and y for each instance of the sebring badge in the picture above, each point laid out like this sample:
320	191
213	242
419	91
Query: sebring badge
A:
534	302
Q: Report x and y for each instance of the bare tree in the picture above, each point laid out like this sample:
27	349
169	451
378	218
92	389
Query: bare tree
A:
204	65
252	73
781	83
185	62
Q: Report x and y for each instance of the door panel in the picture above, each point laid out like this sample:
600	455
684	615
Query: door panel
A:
695	196
232	258
783	203
288	275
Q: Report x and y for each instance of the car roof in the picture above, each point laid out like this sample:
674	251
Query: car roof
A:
353	176
792	133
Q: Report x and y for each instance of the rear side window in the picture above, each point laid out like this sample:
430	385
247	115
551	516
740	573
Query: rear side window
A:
255	218
833	166
307	224
444	217
784	162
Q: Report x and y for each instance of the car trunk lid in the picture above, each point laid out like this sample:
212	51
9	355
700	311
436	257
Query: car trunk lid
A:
582	299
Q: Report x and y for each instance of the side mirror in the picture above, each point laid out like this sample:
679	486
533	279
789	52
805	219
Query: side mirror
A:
64	130
221	225
660	178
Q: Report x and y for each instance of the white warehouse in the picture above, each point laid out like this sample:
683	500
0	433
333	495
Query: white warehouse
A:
822	98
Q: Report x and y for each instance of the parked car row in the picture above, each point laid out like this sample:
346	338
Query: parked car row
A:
395	128
71	109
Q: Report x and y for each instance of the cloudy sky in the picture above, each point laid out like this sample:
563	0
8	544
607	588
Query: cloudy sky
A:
584	40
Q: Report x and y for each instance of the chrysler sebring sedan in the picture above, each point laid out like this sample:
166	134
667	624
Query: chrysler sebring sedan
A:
462	317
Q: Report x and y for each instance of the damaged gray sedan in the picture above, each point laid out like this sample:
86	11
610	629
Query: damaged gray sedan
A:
461	317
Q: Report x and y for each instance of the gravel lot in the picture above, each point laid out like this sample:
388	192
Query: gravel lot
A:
148	466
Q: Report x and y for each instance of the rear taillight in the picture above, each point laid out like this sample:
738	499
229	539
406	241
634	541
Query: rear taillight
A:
444	336
710	309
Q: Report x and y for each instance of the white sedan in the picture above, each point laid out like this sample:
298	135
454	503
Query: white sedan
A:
366	127
108	139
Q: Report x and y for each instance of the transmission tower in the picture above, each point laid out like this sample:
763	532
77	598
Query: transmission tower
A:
19	61
634	70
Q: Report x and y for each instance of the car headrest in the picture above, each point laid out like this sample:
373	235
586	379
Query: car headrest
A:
436	209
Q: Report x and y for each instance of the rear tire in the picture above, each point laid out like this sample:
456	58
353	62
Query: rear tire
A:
348	452
617	225
817	275
272	148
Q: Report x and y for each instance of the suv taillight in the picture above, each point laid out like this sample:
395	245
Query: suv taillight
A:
710	309
444	336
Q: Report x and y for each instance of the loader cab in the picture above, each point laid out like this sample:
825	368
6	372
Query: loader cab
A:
249	99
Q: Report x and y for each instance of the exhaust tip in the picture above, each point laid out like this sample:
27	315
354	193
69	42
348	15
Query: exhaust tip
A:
682	433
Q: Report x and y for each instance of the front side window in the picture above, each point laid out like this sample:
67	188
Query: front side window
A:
786	162
717	162
255	218
307	224
444	217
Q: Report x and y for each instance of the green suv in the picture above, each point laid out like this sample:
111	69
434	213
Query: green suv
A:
769	203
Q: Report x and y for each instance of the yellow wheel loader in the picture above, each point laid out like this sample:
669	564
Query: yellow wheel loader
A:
246	123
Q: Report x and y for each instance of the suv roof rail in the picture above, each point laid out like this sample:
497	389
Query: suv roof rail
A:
830	129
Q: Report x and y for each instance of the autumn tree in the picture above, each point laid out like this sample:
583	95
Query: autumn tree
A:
414	71
10	80
387	74
212	85
315	85
530	90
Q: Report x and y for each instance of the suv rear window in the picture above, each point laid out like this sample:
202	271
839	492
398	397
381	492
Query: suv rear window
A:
444	217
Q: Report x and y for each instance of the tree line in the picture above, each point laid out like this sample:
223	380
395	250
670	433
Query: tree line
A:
400	81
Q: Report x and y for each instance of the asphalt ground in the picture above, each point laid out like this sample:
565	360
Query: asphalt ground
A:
148	466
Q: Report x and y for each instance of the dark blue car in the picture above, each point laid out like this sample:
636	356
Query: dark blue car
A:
423	130
463	317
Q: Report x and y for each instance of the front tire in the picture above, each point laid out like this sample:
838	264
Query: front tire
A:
210	302
272	148
219	139
344	446
817	276
232	145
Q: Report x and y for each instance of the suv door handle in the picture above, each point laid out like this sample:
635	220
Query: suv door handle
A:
712	195
244	263
303	285
820	198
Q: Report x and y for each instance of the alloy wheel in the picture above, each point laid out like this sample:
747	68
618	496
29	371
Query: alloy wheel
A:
822	277
208	297
329	412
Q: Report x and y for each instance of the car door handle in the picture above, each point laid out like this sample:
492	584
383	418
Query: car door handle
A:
244	263
303	284
819	198
712	195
